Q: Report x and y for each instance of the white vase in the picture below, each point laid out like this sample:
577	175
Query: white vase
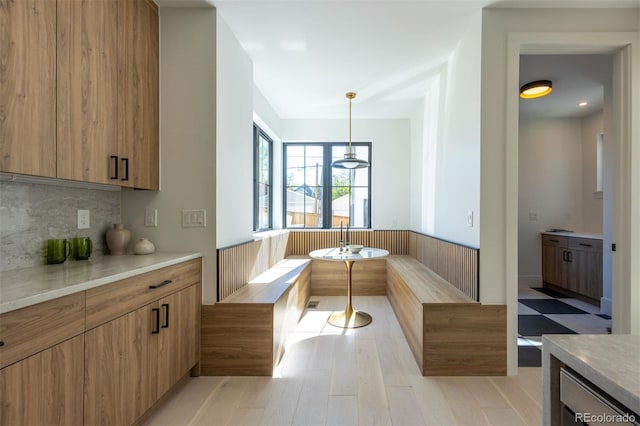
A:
117	239
144	246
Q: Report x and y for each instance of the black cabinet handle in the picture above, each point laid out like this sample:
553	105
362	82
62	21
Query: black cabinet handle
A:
115	167
585	245
166	315
569	256
163	283
564	255
126	168
156	327
1	343
554	241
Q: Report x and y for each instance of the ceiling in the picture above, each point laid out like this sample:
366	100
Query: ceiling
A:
308	53
575	78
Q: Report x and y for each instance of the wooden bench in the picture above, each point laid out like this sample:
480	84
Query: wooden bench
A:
245	333
449	333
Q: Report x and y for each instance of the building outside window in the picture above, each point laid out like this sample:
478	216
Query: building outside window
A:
262	180
319	196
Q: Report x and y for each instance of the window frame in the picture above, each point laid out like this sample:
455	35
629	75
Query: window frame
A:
327	185
257	134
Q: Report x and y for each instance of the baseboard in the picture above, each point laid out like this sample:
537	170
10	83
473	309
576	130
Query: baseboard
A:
530	280
605	306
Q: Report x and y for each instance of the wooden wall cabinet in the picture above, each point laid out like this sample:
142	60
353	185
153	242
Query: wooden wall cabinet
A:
573	264
101	123
28	87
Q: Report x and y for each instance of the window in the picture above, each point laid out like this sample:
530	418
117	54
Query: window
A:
262	180
319	196
599	159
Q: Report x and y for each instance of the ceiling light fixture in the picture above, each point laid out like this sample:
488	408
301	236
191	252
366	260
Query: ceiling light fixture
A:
536	89
583	103
350	161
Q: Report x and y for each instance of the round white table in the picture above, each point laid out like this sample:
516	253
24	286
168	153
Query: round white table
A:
349	318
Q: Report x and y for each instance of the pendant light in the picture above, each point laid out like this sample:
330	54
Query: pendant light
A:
350	161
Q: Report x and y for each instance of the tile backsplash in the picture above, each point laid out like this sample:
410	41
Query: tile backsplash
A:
32	213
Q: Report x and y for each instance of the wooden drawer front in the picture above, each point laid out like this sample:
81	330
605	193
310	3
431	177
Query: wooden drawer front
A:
555	240
110	301
586	244
30	330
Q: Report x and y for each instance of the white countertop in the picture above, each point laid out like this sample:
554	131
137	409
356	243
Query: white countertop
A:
574	234
24	287
611	362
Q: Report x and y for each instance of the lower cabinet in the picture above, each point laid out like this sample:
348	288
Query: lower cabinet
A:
130	362
103	356
573	264
45	388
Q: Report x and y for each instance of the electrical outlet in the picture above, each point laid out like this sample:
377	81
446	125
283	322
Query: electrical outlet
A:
84	221
151	217
194	218
470	218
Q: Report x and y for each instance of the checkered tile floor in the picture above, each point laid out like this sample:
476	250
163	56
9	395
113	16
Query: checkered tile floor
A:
552	313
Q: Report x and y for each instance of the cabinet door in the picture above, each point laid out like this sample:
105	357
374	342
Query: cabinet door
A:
138	127
586	273
179	337
46	388
28	87
553	265
87	90
120	368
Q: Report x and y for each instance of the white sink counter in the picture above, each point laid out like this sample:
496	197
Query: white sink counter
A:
20	288
611	362
574	234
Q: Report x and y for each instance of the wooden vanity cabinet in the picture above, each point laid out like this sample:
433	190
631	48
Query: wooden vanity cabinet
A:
573	264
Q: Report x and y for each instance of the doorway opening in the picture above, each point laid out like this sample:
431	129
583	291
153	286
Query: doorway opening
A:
562	287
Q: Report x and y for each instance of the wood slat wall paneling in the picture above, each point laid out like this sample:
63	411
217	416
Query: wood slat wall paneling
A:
303	242
239	264
455	263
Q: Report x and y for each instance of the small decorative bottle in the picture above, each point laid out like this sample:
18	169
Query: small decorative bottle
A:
117	239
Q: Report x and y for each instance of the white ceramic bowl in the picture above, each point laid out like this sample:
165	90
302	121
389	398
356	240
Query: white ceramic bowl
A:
355	248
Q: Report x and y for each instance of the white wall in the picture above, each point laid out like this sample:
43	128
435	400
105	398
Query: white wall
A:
187	141
234	171
592	126
390	149
550	187
445	144
498	228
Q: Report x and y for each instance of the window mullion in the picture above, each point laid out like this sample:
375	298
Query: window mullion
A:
327	213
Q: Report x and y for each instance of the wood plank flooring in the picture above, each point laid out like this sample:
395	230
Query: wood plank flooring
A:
366	376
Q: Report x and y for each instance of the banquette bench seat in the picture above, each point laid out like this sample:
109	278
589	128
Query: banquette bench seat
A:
449	333
246	331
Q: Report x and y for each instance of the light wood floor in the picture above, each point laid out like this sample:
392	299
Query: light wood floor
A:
367	376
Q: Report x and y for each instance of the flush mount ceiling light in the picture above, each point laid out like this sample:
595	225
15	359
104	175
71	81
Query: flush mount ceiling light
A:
350	161
583	103
536	89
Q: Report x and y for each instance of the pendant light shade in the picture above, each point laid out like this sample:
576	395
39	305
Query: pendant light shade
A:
350	161
536	89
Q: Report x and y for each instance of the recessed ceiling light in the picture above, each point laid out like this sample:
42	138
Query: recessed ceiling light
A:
536	89
583	103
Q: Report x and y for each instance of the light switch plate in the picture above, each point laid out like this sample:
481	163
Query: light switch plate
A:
470	218
194	218
84	219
